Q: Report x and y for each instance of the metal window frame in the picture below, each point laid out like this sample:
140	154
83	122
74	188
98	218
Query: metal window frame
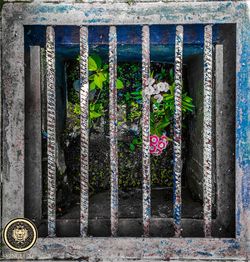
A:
14	17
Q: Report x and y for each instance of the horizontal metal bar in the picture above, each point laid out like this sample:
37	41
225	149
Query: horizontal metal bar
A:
178	129
207	130
113	128
51	129
146	130
84	104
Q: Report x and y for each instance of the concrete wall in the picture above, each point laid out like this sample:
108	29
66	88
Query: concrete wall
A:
194	164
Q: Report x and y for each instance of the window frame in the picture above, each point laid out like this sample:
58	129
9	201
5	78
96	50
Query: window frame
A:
14	17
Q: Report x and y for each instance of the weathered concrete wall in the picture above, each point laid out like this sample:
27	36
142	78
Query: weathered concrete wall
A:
194	162
225	87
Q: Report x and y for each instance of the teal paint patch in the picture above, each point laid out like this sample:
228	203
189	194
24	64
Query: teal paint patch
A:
95	12
243	126
98	20
56	9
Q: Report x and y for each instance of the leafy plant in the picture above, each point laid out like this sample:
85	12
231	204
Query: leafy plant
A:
98	87
98	73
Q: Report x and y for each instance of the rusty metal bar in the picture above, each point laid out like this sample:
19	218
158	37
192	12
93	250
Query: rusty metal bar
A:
178	130
146	130
207	130
51	129
84	103
113	128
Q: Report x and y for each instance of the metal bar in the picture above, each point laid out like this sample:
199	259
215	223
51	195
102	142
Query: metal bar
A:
178	130
113	128
146	131
84	103
207	130
51	129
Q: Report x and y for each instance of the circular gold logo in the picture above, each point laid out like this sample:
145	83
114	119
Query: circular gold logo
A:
20	234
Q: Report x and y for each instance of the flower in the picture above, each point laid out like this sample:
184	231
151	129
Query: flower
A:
158	152
162	144
159	98
154	139
156	89
163	86
163	137
152	149
149	90
150	81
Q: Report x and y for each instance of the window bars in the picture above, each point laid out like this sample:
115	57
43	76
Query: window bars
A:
84	92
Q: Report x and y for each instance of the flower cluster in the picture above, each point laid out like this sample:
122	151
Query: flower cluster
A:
158	144
156	89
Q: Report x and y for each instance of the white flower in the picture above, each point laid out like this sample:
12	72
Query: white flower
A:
149	90
150	81
163	86
159	98
156	89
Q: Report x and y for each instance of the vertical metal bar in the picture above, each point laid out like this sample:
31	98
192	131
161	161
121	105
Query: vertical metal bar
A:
178	130
146	130
207	130
84	103
113	128
51	129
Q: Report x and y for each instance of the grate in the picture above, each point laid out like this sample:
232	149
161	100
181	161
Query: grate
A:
84	91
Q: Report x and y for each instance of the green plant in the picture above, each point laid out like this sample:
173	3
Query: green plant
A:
98	87
98	73
163	113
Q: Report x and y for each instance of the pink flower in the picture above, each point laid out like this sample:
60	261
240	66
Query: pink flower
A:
154	139
162	144
163	137
158	151
152	149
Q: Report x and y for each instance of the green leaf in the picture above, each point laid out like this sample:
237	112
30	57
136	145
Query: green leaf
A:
119	84
105	67
132	147
77	109
127	96
136	93
92	86
171	75
94	114
97	60
98	81
135	141
91	77
92	64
